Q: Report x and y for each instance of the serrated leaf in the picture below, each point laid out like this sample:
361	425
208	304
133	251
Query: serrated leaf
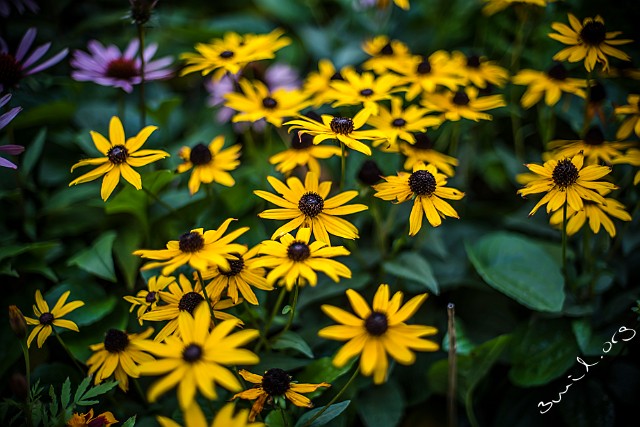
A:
414	267
99	389
98	259
329	414
82	387
53	406
130	422
87	402
293	341
65	394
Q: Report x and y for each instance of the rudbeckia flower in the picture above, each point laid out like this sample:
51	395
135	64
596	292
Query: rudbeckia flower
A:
377	331
551	84
422	152
363	89
317	84
593	147
302	153
210	163
119	355
426	74
195	359
631	157
386	55
495	6
46	319
147	299
105	419
307	206
295	260
632	123
427	188
566	181
478	71
194	417
120	157
462	104
198	248
589	41
275	385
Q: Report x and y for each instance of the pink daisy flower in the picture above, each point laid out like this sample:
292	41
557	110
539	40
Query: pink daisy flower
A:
4	120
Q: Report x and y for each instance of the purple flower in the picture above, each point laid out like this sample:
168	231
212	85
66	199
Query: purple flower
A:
4	120
107	66
14	68
21	5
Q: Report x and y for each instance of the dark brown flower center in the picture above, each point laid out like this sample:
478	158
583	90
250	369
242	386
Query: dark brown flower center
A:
191	242
598	93
423	142
422	183
341	125
376	324
565	173
190	301
557	72
10	71
269	103
461	98
424	67
369	173
200	155
398	123
192	353
366	92
118	154
311	204
235	267
276	382
387	49
141	10
115	341
298	251
594	136
226	54
123	69
337	76
473	61
46	319
593	33
151	297
301	141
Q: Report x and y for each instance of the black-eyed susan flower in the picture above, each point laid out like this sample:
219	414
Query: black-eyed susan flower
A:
495	6
182	296
631	157
257	102
209	163
589	41
593	147
373	332
428	188
119	355
566	181
551	84
46	319
296	260
422	152
631	123
121	156
478	71
462	104
317	84
308	206
363	89
195	358
105	419
198	248
386	55
194	417
596	213
147	299
302	153
399	123
238	279
426	74
343	129
274	387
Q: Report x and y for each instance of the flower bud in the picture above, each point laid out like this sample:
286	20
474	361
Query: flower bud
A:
141	10
17	322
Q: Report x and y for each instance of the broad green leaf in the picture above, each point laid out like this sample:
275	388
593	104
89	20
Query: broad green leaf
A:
293	341
97	303
330	413
13	250
130	237
323	370
376	414
65	394
414	267
520	268
274	419
32	155
98	259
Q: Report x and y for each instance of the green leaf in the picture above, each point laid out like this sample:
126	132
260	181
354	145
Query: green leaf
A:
274	419
381	406
130	237
323	370
65	395
98	259
96	391
97	303
32	155
520	268
82	387
53	406
130	422
412	266
331	412
293	341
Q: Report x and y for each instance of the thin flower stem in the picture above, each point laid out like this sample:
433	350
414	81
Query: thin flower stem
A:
73	358
206	295
276	307
451	394
25	353
139	390
455	138
284	417
343	165
160	202
335	398
564	242
143	105
293	309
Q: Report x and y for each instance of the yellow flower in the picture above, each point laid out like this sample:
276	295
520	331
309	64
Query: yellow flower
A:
46	319
422	152
295	261
593	146
631	123
566	181
210	163
377	331
180	297
194	417
494	6
550	84
478	71
588	40
632	157
198	248
399	123
302	153
257	102
275	385
426	74
148	298
194	359
317	85
363	89
120	156
119	354
307	206
462	104
387	55
242	275
105	419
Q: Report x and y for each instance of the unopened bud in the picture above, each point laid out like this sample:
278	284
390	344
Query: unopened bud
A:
141	10
17	321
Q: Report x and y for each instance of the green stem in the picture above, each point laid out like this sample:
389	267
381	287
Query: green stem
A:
139	389
343	165
564	242
276	307
75	361
284	417
335	398
455	138
453	374
206	295
25	353
143	105
160	202
292	312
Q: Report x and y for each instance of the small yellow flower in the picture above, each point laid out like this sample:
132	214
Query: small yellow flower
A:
194	417
47	319
632	123
147	299
303	153
427	74
478	71
462	104
593	146
386	55
422	152
495	6
364	89
551	84
632	157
